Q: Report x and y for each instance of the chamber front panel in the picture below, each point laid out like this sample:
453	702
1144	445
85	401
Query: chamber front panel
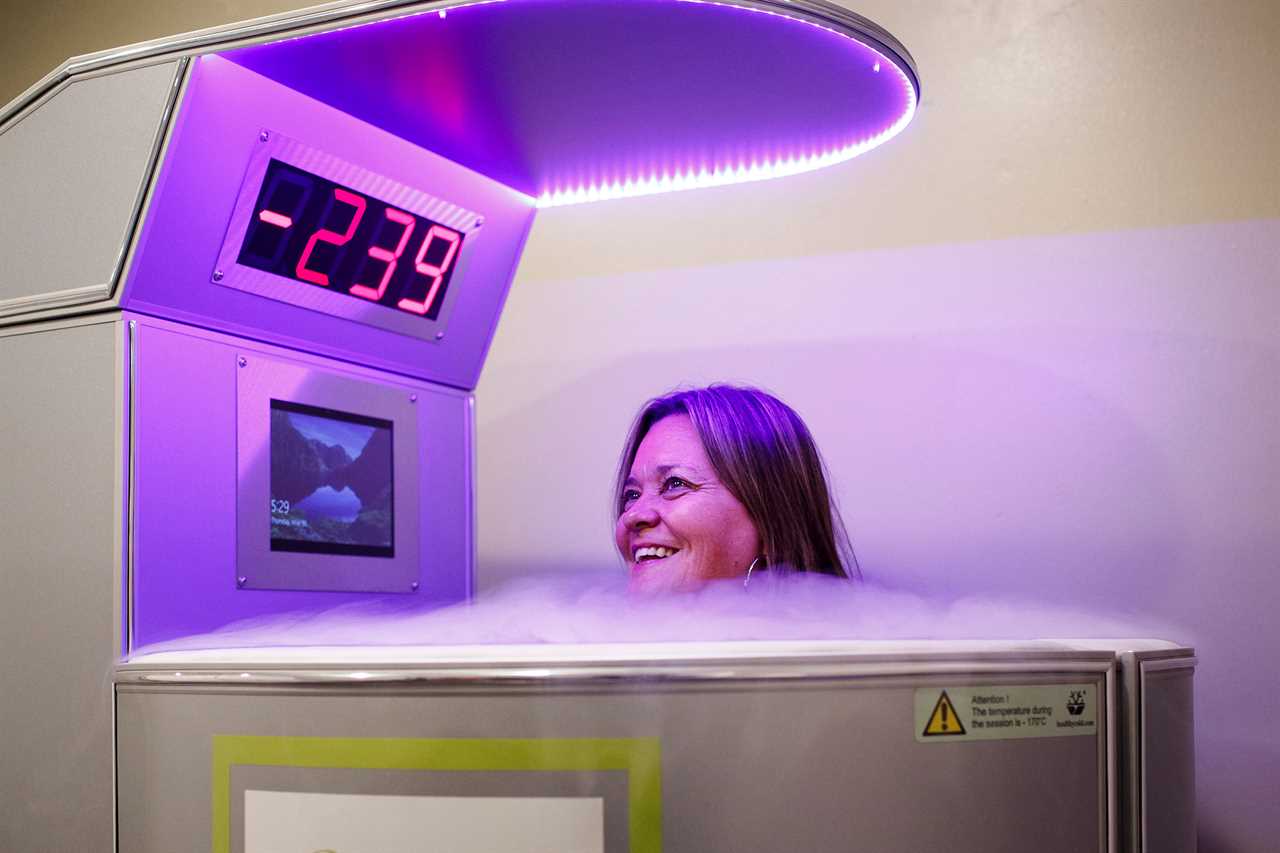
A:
268	482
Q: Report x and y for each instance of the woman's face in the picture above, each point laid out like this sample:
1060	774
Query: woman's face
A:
680	526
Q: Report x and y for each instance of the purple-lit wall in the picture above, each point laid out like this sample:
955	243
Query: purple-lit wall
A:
1085	420
1037	336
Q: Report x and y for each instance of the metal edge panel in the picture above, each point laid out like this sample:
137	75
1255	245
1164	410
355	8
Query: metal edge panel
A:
103	305
130	510
119	582
106	294
549	673
1181	662
63	619
115	770
701	679
472	511
1130	701
1133	665
1112	751
11	310
1150	662
55	323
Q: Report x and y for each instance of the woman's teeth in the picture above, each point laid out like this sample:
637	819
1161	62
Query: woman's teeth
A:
653	552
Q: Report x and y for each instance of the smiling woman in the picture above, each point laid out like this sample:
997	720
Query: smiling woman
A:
724	482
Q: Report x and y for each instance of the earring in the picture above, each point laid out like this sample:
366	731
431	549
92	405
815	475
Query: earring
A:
751	568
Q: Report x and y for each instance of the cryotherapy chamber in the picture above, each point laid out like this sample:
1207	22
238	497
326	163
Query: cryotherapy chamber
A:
252	277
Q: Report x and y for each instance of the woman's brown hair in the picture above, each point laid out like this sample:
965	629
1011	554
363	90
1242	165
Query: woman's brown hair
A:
765	455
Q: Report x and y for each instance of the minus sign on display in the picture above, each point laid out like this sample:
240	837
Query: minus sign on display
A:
272	218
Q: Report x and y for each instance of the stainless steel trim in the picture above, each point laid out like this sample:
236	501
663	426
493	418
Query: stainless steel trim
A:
57	299
863	29
1130	699
1112	747
471	546
32	99
119	587
115	773
55	323
345	14
1139	820
1186	662
131	333
551	673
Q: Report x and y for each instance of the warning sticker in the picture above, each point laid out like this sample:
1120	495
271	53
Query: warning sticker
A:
943	720
1005	711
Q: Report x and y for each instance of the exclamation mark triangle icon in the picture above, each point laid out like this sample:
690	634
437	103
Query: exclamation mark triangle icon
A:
944	720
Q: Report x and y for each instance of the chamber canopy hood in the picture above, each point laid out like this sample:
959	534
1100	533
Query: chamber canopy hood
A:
580	100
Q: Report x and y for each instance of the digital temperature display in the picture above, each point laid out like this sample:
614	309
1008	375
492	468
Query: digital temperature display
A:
322	234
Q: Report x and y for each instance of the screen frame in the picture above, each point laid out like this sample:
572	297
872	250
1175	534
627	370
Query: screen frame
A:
272	145
308	546
259	380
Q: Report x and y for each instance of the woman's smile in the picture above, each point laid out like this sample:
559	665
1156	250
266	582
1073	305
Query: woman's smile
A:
649	553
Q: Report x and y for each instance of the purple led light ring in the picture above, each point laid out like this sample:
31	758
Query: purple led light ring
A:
815	13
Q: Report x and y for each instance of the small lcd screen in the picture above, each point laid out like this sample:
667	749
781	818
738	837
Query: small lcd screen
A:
332	489
321	234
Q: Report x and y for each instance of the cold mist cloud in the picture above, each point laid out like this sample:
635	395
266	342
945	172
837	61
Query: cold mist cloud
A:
587	609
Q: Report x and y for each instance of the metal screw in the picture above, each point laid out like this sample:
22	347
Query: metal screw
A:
217	275
413	398
414	586
439	336
264	136
242	361
241	581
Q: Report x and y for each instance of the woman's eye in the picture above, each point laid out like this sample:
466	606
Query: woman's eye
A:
629	497
674	484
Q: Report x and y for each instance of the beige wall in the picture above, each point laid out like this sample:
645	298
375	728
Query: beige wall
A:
1037	335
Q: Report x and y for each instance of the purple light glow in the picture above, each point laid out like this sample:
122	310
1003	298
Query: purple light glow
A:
571	102
720	175
690	180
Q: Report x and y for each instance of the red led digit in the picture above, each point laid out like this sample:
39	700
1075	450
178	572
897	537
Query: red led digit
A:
432	271
326	236
392	258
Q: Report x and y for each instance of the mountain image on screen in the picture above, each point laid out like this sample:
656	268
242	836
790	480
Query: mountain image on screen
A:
331	482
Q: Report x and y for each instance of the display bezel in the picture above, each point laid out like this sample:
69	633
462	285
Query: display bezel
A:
308	546
229	273
259	380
